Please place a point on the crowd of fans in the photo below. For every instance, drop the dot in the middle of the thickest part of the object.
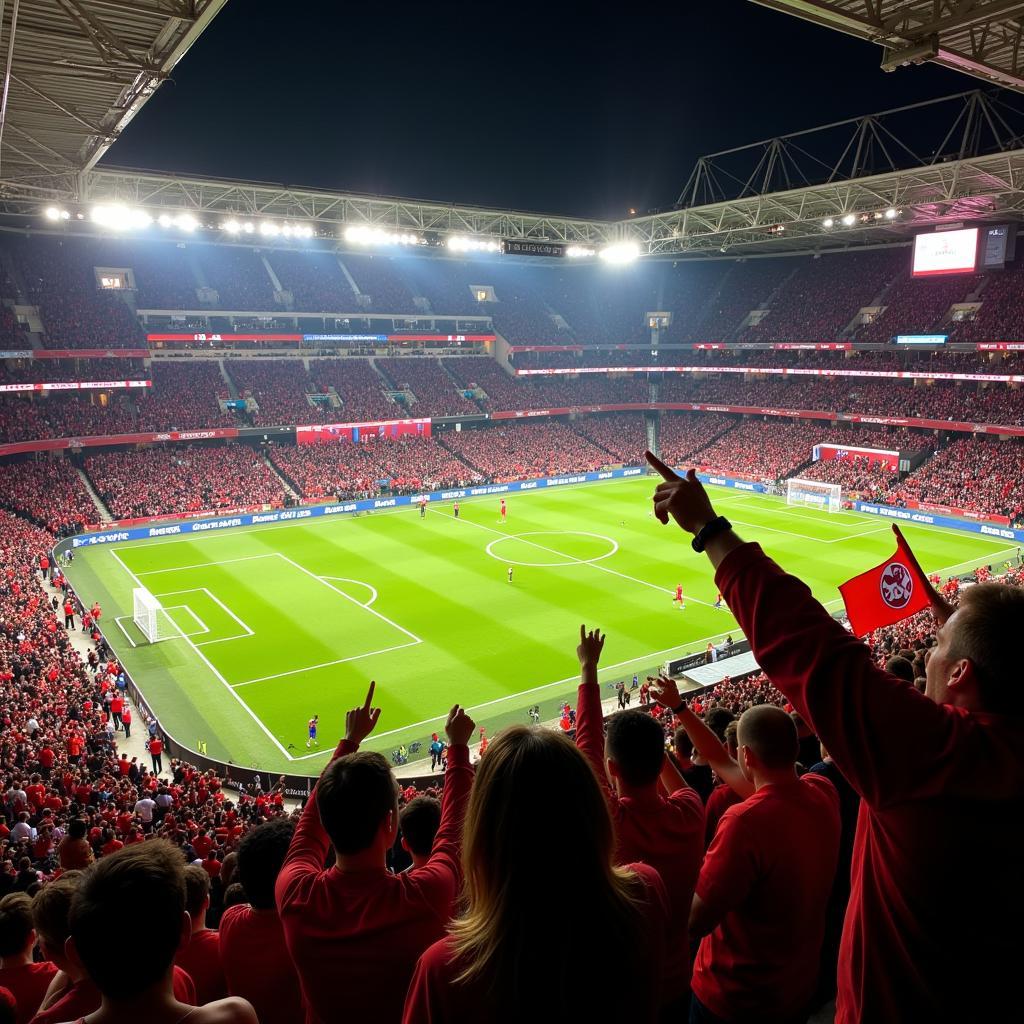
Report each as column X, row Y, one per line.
column 184, row 396
column 182, row 478
column 861, row 475
column 280, row 388
column 518, row 450
column 372, row 467
column 434, row 390
column 50, row 493
column 359, row 387
column 974, row 474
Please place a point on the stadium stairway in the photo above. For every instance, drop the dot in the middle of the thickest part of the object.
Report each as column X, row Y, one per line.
column 287, row 484
column 101, row 509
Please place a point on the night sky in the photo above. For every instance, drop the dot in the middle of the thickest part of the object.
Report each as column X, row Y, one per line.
column 555, row 107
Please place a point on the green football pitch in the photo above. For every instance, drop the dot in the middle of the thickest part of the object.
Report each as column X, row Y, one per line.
column 278, row 623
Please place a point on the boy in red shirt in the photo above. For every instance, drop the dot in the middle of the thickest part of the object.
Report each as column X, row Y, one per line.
column 201, row 957
column 27, row 981
column 355, row 931
column 252, row 947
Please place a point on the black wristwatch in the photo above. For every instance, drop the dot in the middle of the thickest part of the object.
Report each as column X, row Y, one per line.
column 708, row 531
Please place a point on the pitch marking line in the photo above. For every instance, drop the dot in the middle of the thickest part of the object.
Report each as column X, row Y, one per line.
column 571, row 560
column 213, row 597
column 345, row 579
column 373, row 611
column 123, row 630
column 202, row 565
column 326, row 664
column 217, row 675
column 168, row 608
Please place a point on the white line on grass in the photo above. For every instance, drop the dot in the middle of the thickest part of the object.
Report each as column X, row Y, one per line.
column 206, row 661
column 203, row 628
column 123, row 630
column 327, row 664
column 213, row 597
column 358, row 604
column 345, row 579
column 572, row 559
column 201, row 565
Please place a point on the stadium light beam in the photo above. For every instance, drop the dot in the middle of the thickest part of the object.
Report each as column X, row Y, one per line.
column 850, row 219
column 891, row 214
column 620, row 253
column 363, row 234
column 579, row 251
column 827, row 223
column 468, row 243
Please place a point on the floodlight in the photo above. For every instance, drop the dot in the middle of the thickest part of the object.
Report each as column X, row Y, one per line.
column 248, row 227
column 891, row 214
column 119, row 217
column 850, row 219
column 165, row 220
column 620, row 252
column 232, row 227
column 576, row 251
column 828, row 222
column 52, row 213
column 186, row 222
column 270, row 229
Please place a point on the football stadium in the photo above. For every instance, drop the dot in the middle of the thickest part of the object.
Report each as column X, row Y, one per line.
column 376, row 569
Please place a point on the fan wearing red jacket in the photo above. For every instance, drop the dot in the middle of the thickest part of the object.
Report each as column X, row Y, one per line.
column 355, row 931
column 937, row 873
column 662, row 827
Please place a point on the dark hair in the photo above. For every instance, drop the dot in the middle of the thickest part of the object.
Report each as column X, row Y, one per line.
column 771, row 734
column 636, row 743
column 901, row 668
column 987, row 629
column 50, row 908
column 234, row 895
column 197, row 889
column 717, row 719
column 149, row 879
column 681, row 743
column 15, row 923
column 260, row 856
column 419, row 821
column 354, row 795
column 77, row 829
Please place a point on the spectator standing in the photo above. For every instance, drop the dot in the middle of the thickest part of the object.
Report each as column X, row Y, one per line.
column 201, row 957
column 27, row 981
column 147, row 881
column 253, row 952
column 353, row 928
column 664, row 831
column 939, row 771
column 518, row 944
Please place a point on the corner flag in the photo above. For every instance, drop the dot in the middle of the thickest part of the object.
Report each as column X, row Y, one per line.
column 889, row 593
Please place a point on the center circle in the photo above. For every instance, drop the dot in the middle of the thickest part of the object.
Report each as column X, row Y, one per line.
column 547, row 551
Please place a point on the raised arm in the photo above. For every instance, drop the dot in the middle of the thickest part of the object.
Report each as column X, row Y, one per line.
column 889, row 740
column 438, row 880
column 705, row 742
column 307, row 852
column 589, row 716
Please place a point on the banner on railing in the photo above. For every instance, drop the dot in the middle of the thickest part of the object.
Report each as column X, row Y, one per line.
column 908, row 515
column 91, row 353
column 826, row 452
column 62, row 443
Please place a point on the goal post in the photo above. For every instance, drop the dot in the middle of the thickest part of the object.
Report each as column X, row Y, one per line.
column 151, row 617
column 815, row 493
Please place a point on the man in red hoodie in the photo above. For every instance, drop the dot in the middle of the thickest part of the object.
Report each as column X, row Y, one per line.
column 937, row 873
column 355, row 931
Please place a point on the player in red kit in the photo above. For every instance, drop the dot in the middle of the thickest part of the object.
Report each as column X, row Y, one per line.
column 504, row 510
column 679, row 597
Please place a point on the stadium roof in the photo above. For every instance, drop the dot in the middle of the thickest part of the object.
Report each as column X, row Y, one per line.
column 77, row 72
column 978, row 37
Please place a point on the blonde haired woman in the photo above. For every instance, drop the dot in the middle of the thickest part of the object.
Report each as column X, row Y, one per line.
column 549, row 920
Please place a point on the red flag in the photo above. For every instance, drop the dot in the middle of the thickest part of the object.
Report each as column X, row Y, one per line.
column 889, row 593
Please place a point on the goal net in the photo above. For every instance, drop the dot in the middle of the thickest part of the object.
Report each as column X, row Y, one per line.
column 815, row 493
column 151, row 617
